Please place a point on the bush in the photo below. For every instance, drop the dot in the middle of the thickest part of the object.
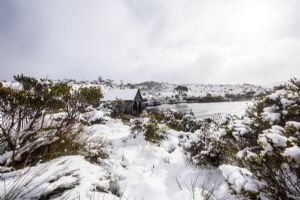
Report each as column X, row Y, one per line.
column 266, row 142
column 118, row 109
column 207, row 151
column 137, row 126
column 91, row 95
column 152, row 131
column 38, row 115
column 206, row 146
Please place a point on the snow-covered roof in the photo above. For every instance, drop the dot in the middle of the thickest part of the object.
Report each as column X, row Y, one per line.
column 123, row 94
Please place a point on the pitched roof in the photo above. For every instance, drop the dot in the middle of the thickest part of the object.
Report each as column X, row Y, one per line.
column 123, row 94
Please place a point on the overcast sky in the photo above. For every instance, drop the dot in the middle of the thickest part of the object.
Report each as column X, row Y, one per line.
column 181, row 41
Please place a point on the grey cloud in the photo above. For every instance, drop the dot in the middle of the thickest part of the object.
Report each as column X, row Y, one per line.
column 136, row 40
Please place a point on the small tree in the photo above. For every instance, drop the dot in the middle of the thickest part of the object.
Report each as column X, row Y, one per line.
column 181, row 91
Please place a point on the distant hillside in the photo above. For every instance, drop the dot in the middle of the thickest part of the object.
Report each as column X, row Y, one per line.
column 163, row 92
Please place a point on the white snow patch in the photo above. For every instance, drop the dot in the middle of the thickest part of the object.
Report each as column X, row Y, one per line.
column 70, row 171
column 294, row 124
column 240, row 178
column 270, row 114
column 293, row 152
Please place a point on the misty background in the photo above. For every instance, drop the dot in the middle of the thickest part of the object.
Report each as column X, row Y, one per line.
column 195, row 41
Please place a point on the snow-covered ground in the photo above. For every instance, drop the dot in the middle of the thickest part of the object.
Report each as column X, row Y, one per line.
column 147, row 171
column 136, row 169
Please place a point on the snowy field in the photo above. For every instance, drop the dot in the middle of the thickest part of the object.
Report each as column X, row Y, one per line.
column 146, row 171
column 136, row 169
column 208, row 110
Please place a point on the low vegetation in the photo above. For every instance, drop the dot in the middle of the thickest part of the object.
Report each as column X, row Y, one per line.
column 262, row 148
column 39, row 120
column 258, row 154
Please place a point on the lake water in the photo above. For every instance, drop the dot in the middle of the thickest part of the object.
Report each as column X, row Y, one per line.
column 208, row 110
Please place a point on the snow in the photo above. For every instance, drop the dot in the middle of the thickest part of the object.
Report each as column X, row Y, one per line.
column 147, row 171
column 293, row 124
column 5, row 157
column 123, row 94
column 240, row 178
column 95, row 115
column 13, row 84
column 286, row 102
column 135, row 169
column 293, row 152
column 69, row 171
column 272, row 137
column 277, row 94
column 245, row 153
column 162, row 92
column 270, row 114
column 239, row 129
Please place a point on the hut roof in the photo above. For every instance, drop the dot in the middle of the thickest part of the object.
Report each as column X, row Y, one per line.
column 123, row 94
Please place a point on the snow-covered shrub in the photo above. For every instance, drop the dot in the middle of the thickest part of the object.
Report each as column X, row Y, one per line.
column 189, row 123
column 241, row 181
column 99, row 116
column 152, row 131
column 206, row 150
column 137, row 126
column 267, row 140
column 174, row 124
column 94, row 151
column 177, row 120
column 36, row 115
column 67, row 143
column 117, row 109
column 205, row 146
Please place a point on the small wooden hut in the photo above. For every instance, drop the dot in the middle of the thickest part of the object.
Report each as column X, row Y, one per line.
column 132, row 98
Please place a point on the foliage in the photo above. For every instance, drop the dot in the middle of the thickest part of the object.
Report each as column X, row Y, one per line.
column 37, row 115
column 118, row 109
column 152, row 131
column 205, row 147
column 181, row 88
column 181, row 91
column 176, row 120
column 94, row 151
column 91, row 95
column 266, row 142
column 137, row 126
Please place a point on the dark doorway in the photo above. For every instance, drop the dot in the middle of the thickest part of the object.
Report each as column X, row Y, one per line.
column 135, row 107
column 140, row 107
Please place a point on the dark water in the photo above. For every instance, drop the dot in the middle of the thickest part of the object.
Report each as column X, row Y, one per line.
column 208, row 110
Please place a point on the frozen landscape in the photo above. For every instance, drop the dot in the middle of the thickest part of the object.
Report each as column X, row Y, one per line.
column 175, row 151
column 135, row 169
column 150, row 100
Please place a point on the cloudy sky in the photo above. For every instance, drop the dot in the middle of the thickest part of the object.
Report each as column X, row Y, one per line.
column 181, row 41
